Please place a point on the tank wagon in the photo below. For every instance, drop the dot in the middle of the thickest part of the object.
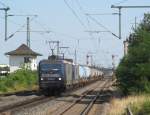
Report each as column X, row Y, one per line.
column 61, row 74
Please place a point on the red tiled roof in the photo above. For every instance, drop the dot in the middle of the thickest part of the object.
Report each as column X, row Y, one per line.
column 23, row 50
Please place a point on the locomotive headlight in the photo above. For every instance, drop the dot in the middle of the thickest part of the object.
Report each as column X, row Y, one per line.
column 41, row 78
column 59, row 78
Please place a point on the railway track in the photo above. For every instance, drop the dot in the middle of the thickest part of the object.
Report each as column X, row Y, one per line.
column 80, row 101
column 24, row 104
column 98, row 95
column 31, row 103
column 8, row 109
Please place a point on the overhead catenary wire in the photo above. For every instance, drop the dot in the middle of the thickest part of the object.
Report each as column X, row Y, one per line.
column 83, row 11
column 63, row 34
column 101, row 25
column 74, row 13
column 19, row 29
column 121, row 2
column 80, row 7
column 3, row 4
column 88, row 22
column 60, row 33
column 43, row 26
column 70, row 36
column 11, row 21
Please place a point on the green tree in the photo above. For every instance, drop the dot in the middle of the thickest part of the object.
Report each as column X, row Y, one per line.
column 133, row 72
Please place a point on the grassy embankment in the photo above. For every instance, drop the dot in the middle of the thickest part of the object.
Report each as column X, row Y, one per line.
column 133, row 73
column 18, row 81
column 140, row 105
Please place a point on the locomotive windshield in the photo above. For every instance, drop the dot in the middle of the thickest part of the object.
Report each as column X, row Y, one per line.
column 51, row 68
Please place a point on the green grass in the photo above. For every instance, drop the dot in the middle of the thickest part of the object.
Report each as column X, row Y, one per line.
column 139, row 104
column 20, row 80
column 142, row 109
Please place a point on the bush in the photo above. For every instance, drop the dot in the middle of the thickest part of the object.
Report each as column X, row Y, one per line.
column 21, row 79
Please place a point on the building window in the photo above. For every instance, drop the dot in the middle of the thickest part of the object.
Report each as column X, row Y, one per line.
column 27, row 60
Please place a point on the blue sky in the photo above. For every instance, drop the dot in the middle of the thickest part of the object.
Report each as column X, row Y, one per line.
column 55, row 16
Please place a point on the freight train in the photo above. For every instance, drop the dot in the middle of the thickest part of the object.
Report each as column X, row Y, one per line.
column 56, row 74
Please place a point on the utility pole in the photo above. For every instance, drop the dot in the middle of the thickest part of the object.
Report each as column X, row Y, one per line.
column 120, row 34
column 113, row 62
column 87, row 59
column 75, row 56
column 28, row 28
column 126, row 43
column 57, row 47
column 135, row 23
column 120, row 7
column 91, row 59
column 6, row 11
column 28, row 32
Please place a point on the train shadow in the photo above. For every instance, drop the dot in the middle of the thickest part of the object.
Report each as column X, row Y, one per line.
column 103, row 97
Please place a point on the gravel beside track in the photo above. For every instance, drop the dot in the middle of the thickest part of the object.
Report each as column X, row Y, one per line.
column 101, row 105
column 83, row 106
column 57, row 105
column 13, row 99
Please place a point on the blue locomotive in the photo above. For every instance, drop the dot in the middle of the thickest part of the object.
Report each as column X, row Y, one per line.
column 57, row 74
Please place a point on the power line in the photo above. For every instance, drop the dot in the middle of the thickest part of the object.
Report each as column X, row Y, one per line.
column 19, row 29
column 5, row 12
column 102, row 26
column 59, row 33
column 3, row 4
column 80, row 7
column 120, row 2
column 43, row 26
column 53, row 31
column 13, row 22
column 88, row 22
column 74, row 13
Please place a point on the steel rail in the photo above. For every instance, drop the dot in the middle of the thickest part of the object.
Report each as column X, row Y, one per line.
column 25, row 104
column 78, row 100
column 89, row 106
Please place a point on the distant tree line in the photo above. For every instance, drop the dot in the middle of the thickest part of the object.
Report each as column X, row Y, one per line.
column 133, row 72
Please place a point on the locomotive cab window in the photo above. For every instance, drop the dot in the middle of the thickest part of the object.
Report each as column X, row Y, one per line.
column 51, row 68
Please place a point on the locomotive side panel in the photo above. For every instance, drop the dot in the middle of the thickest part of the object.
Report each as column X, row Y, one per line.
column 75, row 70
column 68, row 74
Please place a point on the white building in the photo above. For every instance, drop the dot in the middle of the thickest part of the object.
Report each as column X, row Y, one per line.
column 23, row 56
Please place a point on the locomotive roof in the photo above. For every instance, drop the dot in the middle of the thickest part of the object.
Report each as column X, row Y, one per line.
column 55, row 61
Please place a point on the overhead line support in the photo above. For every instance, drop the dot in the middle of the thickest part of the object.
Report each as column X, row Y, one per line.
column 6, row 11
column 120, row 7
column 63, row 52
